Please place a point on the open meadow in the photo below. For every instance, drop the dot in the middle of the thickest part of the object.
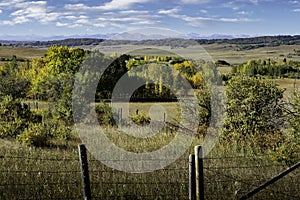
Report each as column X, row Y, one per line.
column 229, row 53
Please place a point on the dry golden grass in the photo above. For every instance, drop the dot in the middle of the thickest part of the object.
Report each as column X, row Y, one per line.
column 21, row 52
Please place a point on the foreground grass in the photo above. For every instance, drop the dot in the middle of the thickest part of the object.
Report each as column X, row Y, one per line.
column 54, row 173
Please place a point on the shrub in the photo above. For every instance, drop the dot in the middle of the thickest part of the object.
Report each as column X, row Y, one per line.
column 287, row 152
column 12, row 128
column 104, row 114
column 141, row 118
column 41, row 134
column 35, row 135
column 13, row 116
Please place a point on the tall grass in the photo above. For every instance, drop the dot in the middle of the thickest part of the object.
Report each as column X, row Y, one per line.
column 53, row 173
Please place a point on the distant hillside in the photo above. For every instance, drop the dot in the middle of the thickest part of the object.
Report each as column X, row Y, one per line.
column 256, row 42
column 243, row 43
column 70, row 42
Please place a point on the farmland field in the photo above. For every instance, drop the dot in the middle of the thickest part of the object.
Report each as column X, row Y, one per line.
column 230, row 53
column 22, row 52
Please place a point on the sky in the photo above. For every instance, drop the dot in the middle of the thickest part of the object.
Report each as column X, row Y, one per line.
column 204, row 17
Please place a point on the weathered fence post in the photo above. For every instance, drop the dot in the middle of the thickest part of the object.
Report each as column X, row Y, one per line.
column 84, row 172
column 192, row 181
column 120, row 117
column 199, row 173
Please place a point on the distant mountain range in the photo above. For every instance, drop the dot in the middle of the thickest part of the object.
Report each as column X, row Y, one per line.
column 243, row 42
column 121, row 36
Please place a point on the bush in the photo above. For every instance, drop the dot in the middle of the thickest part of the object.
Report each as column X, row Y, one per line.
column 35, row 135
column 41, row 134
column 141, row 118
column 287, row 152
column 104, row 114
column 13, row 116
column 12, row 128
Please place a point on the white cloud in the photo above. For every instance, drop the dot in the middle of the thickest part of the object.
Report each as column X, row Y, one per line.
column 296, row 10
column 82, row 21
column 121, row 4
column 235, row 20
column 112, row 5
column 243, row 12
column 169, row 12
column 70, row 17
column 121, row 19
column 59, row 24
column 77, row 7
column 75, row 25
column 194, row 1
column 10, row 3
column 0, row 11
column 131, row 12
column 6, row 22
column 145, row 22
column 25, row 11
column 196, row 21
column 20, row 20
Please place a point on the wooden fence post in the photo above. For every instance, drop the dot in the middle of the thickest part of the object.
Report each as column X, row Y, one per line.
column 199, row 173
column 192, row 181
column 120, row 117
column 84, row 172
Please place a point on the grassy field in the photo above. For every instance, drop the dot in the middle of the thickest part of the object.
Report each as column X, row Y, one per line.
column 230, row 53
column 54, row 173
column 215, row 52
column 288, row 84
column 21, row 52
column 234, row 56
column 171, row 110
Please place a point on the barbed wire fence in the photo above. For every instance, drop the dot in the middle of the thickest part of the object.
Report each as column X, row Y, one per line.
column 27, row 177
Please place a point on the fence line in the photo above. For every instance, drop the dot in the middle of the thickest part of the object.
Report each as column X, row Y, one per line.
column 59, row 178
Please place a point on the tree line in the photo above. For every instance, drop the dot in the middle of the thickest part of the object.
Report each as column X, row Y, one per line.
column 268, row 67
column 244, row 43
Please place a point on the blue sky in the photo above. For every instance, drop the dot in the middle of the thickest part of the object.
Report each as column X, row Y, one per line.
column 204, row 17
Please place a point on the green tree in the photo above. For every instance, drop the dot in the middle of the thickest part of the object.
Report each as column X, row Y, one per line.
column 14, row 115
column 55, row 78
column 253, row 108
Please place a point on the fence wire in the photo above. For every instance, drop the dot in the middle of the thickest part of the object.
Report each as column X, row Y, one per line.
column 32, row 177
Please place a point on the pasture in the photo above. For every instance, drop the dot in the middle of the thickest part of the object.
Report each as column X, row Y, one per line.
column 22, row 52
column 230, row 53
